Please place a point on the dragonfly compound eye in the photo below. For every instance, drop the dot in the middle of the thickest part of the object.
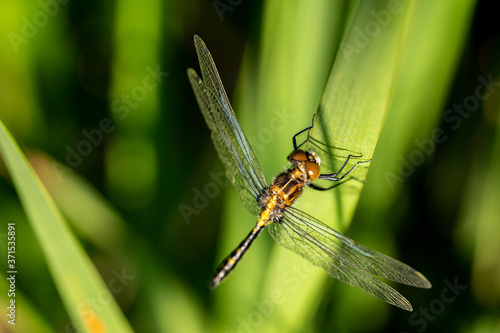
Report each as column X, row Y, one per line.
column 297, row 155
column 312, row 170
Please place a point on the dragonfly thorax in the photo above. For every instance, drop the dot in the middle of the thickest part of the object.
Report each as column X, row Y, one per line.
column 307, row 162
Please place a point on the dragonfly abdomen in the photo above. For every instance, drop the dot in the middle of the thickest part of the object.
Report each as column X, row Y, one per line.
column 233, row 258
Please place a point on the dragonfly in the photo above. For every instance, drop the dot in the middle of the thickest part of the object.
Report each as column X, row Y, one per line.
column 338, row 255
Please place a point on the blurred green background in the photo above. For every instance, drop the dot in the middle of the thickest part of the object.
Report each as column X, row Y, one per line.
column 97, row 96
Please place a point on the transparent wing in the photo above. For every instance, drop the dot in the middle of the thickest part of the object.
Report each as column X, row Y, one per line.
column 233, row 148
column 343, row 258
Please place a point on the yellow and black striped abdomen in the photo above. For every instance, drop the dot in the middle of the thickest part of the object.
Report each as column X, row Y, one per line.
column 232, row 259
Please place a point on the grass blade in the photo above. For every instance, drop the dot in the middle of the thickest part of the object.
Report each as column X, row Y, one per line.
column 75, row 277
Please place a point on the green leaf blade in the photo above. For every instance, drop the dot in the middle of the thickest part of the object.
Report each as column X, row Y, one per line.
column 75, row 277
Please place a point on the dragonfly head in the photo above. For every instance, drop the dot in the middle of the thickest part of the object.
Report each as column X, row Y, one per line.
column 308, row 160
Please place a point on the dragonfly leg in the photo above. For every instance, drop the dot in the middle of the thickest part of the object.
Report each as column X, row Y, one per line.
column 333, row 176
column 319, row 188
column 295, row 146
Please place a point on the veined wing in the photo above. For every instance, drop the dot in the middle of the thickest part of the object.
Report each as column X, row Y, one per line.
column 233, row 148
column 343, row 258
